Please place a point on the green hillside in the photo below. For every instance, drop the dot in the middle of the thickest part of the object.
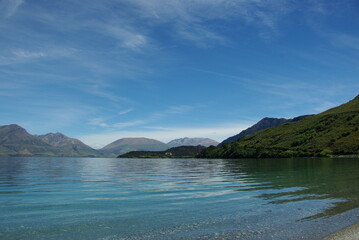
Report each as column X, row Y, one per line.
column 333, row 132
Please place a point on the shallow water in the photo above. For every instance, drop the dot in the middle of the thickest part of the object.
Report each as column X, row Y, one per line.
column 104, row 198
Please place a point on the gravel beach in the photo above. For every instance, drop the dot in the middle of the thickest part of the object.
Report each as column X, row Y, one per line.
column 349, row 233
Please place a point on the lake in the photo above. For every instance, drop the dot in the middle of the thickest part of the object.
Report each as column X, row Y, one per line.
column 106, row 198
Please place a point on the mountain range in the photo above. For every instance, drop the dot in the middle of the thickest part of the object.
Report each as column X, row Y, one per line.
column 16, row 141
column 332, row 132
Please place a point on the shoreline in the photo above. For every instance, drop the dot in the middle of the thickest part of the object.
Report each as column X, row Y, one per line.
column 348, row 233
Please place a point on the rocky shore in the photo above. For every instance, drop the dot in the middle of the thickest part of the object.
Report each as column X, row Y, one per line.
column 349, row 233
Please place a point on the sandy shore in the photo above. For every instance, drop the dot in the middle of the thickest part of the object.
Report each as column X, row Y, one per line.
column 349, row 233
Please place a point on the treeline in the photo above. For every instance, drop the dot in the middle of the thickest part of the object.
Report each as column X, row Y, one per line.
column 175, row 152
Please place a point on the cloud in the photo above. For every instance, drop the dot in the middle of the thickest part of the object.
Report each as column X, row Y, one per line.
column 103, row 123
column 200, row 10
column 192, row 20
column 170, row 111
column 152, row 117
column 9, row 7
column 101, row 88
column 198, row 22
column 317, row 16
column 100, row 122
column 16, row 56
column 219, row 133
column 124, row 112
column 178, row 109
column 129, row 39
column 21, row 53
column 200, row 35
column 128, row 124
column 344, row 40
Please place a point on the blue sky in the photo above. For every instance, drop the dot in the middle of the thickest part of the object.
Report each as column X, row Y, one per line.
column 104, row 70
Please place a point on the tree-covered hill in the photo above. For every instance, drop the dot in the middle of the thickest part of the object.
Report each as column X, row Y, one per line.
column 175, row 152
column 333, row 132
column 262, row 124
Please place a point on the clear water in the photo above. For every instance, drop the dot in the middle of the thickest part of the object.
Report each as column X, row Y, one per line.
column 84, row 198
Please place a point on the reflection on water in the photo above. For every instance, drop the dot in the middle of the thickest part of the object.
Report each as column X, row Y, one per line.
column 317, row 179
column 66, row 198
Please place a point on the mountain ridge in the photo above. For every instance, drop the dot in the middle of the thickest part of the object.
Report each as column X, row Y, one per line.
column 264, row 123
column 16, row 141
column 70, row 145
column 332, row 132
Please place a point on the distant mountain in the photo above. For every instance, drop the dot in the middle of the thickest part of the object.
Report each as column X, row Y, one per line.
column 262, row 124
column 206, row 142
column 68, row 146
column 333, row 132
column 175, row 152
column 15, row 140
column 125, row 145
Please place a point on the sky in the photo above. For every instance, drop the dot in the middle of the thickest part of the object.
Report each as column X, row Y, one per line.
column 165, row 69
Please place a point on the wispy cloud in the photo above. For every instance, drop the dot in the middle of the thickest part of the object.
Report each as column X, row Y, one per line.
column 318, row 12
column 178, row 109
column 200, row 36
column 20, row 53
column 128, row 124
column 129, row 39
column 101, row 88
column 104, row 123
column 151, row 118
column 293, row 89
column 124, row 112
column 170, row 111
column 344, row 40
column 9, row 7
column 100, row 122
column 190, row 19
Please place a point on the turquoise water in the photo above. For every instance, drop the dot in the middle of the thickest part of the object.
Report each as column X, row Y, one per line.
column 94, row 198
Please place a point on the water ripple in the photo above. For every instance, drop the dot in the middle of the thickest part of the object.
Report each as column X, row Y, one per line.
column 67, row 198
